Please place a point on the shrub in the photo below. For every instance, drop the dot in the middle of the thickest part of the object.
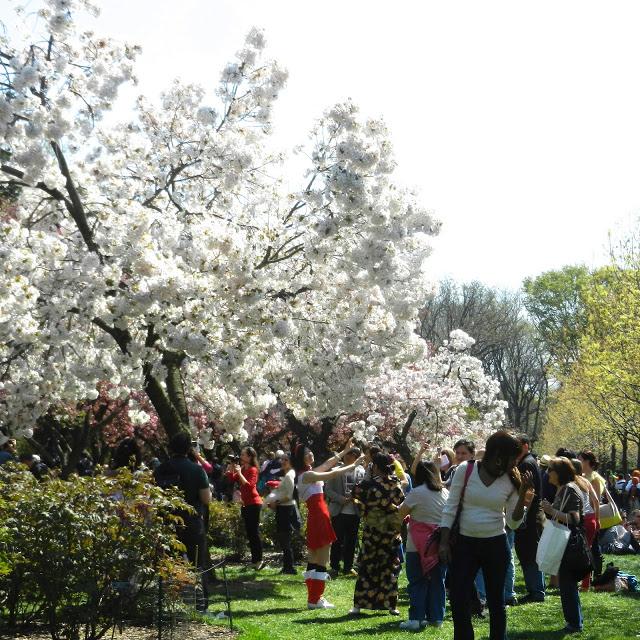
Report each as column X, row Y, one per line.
column 226, row 529
column 77, row 553
column 269, row 532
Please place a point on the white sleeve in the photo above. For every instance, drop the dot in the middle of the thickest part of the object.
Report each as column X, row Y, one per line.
column 451, row 507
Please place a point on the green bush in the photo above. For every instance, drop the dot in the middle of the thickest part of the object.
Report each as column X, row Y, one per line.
column 226, row 529
column 269, row 533
column 77, row 553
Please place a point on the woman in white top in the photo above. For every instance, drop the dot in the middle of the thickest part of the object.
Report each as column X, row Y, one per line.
column 493, row 487
column 424, row 503
column 320, row 533
column 287, row 516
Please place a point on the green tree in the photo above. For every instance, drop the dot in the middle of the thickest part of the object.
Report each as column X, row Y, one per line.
column 555, row 302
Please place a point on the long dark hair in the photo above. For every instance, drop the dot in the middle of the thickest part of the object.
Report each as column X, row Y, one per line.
column 253, row 456
column 384, row 463
column 299, row 453
column 502, row 445
column 427, row 473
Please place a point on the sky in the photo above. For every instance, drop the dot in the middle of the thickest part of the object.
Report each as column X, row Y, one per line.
column 517, row 122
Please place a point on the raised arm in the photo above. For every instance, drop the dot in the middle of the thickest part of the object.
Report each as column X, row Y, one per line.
column 333, row 461
column 418, row 457
column 515, row 510
column 314, row 476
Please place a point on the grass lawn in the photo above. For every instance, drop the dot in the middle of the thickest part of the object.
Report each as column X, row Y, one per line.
column 268, row 606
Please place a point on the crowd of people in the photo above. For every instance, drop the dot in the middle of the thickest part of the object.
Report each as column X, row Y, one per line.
column 456, row 520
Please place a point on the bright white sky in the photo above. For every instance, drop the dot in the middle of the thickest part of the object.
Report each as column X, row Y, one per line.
column 519, row 122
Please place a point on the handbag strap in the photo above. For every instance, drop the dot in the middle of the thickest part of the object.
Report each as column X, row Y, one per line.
column 467, row 475
column 610, row 501
column 565, row 496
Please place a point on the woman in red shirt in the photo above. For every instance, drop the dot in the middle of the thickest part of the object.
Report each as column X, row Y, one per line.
column 246, row 475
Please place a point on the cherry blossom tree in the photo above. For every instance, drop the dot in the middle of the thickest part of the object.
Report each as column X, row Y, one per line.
column 164, row 252
column 443, row 396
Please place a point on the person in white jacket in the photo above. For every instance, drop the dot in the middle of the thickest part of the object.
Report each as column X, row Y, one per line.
column 287, row 516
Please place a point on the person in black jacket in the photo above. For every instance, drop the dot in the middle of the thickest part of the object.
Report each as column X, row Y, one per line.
column 192, row 480
column 528, row 534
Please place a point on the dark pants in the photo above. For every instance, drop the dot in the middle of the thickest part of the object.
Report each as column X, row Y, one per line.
column 286, row 521
column 344, row 548
column 251, row 517
column 492, row 555
column 596, row 552
column 193, row 536
column 526, row 546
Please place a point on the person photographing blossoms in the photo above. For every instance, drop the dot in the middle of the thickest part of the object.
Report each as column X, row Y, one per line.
column 320, row 533
column 486, row 495
column 246, row 475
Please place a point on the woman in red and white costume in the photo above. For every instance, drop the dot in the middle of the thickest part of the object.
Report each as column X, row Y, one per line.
column 320, row 533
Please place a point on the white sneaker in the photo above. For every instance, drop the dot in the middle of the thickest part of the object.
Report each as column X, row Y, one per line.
column 410, row 625
column 321, row 604
column 354, row 611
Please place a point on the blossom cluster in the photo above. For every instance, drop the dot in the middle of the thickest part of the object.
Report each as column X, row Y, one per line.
column 173, row 233
column 449, row 391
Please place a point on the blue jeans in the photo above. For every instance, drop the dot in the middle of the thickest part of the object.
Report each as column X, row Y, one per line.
column 570, row 598
column 470, row 554
column 510, row 580
column 426, row 591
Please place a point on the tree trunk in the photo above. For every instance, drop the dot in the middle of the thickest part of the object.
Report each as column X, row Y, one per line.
column 175, row 384
column 625, row 447
column 638, row 455
column 168, row 414
column 80, row 437
column 614, row 460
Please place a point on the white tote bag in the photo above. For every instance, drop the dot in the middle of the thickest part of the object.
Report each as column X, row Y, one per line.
column 552, row 545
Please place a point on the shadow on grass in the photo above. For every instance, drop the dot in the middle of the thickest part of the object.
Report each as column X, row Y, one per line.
column 543, row 634
column 252, row 614
column 338, row 619
column 391, row 625
column 249, row 590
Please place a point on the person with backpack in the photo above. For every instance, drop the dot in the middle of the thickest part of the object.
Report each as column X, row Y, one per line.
column 179, row 471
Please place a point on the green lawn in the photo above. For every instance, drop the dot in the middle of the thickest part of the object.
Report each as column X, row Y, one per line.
column 267, row 606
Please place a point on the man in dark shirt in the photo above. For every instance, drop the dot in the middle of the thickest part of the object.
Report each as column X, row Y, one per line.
column 529, row 532
column 192, row 480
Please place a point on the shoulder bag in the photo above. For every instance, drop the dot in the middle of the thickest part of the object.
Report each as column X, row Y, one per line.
column 455, row 527
column 553, row 542
column 577, row 558
column 609, row 513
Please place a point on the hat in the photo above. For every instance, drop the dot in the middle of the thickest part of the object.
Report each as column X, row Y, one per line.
column 545, row 460
column 279, row 453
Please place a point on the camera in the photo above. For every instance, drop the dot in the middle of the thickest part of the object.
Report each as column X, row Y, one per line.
column 233, row 459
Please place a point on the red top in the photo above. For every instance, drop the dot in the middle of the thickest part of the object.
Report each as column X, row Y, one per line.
column 248, row 491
